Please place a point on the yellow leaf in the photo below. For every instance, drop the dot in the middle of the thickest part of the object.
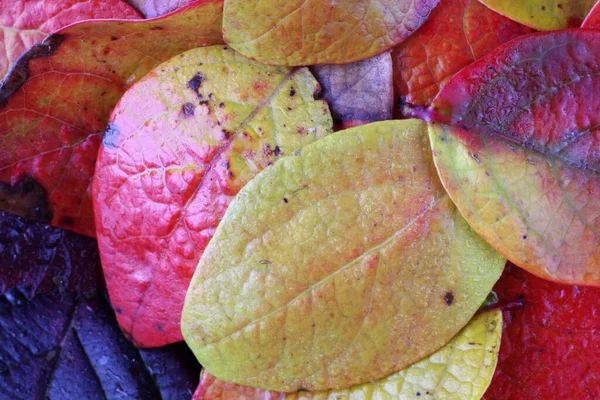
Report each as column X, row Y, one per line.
column 337, row 266
column 305, row 32
column 543, row 15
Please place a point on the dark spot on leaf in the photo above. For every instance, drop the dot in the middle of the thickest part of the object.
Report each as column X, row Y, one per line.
column 267, row 151
column 418, row 393
column 264, row 262
column 277, row 151
column 292, row 92
column 196, row 82
column 157, row 28
column 524, row 237
column 221, row 105
column 475, row 157
column 111, row 136
column 285, row 199
column 160, row 327
column 227, row 135
column 559, row 6
column 113, row 38
column 449, row 298
column 543, row 8
column 66, row 221
column 188, row 109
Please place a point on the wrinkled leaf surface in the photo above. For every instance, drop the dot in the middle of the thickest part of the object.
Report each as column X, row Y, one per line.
column 550, row 347
column 457, row 33
column 337, row 266
column 305, row 32
column 55, row 105
column 167, row 172
column 521, row 157
column 24, row 23
column 460, row 370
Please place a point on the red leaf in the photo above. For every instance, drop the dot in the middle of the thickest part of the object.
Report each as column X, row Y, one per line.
column 457, row 33
column 550, row 348
column 56, row 102
column 592, row 21
column 24, row 23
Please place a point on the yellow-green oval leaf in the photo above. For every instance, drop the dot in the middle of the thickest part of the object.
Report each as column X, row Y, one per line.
column 543, row 15
column 305, row 32
column 461, row 370
column 337, row 266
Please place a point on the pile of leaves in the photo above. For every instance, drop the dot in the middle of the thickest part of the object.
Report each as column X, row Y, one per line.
column 325, row 200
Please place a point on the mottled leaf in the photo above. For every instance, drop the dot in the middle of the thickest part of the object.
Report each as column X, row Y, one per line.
column 39, row 259
column 166, row 173
column 55, row 103
column 550, row 348
column 543, row 15
column 460, row 370
column 358, row 93
column 457, row 33
column 24, row 23
column 337, row 266
column 517, row 149
column 592, row 21
column 68, row 348
column 305, row 32
column 156, row 8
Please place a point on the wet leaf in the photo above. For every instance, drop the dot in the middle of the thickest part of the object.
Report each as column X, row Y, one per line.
column 24, row 23
column 156, row 8
column 543, row 15
column 55, row 104
column 592, row 21
column 300, row 32
column 167, row 172
column 460, row 370
column 337, row 266
column 457, row 33
column 520, row 157
column 71, row 348
column 550, row 348
column 39, row 259
column 360, row 92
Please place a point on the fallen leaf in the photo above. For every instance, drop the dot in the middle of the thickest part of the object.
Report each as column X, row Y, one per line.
column 518, row 151
column 56, row 102
column 24, row 23
column 460, row 370
column 550, row 348
column 360, row 92
column 337, row 266
column 543, row 15
column 457, row 33
column 39, row 259
column 592, row 21
column 71, row 348
column 157, row 8
column 306, row 32
column 167, row 172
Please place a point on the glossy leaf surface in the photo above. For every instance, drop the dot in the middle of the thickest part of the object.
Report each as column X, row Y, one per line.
column 358, row 93
column 521, row 157
column 55, row 105
column 156, row 8
column 592, row 21
column 543, row 15
column 457, row 33
column 460, row 370
column 550, row 348
column 305, row 32
column 337, row 266
column 24, row 23
column 166, row 173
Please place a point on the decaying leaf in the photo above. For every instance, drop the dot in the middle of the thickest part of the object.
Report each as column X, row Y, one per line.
column 543, row 15
column 592, row 21
column 24, row 23
column 156, row 8
column 39, row 259
column 337, row 266
column 521, row 155
column 550, row 348
column 166, row 173
column 457, row 33
column 360, row 92
column 56, row 347
column 55, row 103
column 306, row 32
column 461, row 370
